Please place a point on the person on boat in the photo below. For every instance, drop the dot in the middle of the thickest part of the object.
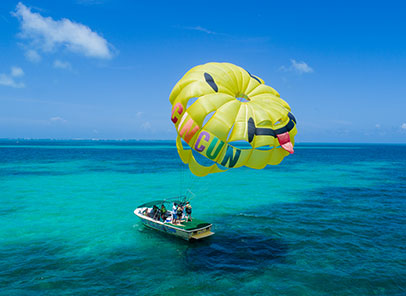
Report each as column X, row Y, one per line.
column 145, row 212
column 175, row 206
column 188, row 210
column 179, row 213
column 152, row 212
column 164, row 213
column 157, row 213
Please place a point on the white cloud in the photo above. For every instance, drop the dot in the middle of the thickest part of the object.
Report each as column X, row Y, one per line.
column 201, row 29
column 139, row 114
column 32, row 56
column 403, row 126
column 298, row 67
column 47, row 34
column 62, row 65
column 17, row 72
column 10, row 79
column 57, row 119
column 146, row 125
column 301, row 67
column 377, row 125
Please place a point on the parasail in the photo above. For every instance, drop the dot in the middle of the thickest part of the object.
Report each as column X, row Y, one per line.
column 230, row 106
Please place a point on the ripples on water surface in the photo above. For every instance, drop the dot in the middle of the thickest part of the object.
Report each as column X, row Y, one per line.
column 330, row 220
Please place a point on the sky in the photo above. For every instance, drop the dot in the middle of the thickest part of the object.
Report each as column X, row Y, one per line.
column 104, row 69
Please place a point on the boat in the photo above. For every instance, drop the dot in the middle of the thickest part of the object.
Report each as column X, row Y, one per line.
column 187, row 230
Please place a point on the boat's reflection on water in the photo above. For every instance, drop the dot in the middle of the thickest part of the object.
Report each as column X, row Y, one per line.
column 234, row 252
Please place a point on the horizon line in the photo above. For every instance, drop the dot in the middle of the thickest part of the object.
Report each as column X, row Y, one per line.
column 171, row 140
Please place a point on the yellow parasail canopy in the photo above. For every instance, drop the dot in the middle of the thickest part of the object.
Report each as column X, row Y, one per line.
column 230, row 106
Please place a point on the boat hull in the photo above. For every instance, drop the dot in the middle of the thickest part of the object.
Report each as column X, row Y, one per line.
column 163, row 228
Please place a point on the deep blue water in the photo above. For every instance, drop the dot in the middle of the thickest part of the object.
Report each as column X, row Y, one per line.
column 329, row 220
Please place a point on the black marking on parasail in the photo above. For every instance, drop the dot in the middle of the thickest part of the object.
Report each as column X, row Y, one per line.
column 256, row 78
column 210, row 81
column 260, row 131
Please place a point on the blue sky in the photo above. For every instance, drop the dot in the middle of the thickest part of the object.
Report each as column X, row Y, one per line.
column 105, row 69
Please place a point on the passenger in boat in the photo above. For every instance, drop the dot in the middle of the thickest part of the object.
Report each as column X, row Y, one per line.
column 158, row 214
column 155, row 213
column 164, row 213
column 179, row 213
column 175, row 206
column 145, row 212
column 188, row 211
column 152, row 212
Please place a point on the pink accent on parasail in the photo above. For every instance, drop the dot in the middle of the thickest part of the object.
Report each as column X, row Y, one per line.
column 284, row 141
column 178, row 108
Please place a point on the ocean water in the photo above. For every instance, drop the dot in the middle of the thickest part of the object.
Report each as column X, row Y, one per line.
column 329, row 220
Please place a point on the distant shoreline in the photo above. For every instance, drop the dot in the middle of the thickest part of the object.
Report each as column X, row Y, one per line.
column 139, row 141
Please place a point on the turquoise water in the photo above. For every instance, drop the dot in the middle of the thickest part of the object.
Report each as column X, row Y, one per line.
column 330, row 220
